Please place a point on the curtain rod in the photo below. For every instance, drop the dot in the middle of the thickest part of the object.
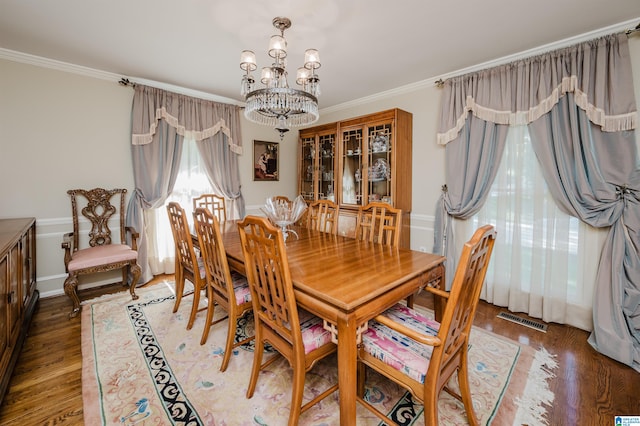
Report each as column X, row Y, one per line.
column 125, row 82
column 440, row 82
column 634, row 30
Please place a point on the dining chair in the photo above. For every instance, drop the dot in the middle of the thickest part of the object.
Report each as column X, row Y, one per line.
column 282, row 199
column 296, row 334
column 322, row 215
column 421, row 354
column 227, row 289
column 104, row 251
column 214, row 203
column 189, row 266
column 380, row 223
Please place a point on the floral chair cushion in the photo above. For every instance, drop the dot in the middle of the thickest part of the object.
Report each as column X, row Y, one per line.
column 314, row 334
column 201, row 268
column 396, row 349
column 241, row 288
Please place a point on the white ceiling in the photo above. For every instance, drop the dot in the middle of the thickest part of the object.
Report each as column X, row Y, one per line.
column 366, row 46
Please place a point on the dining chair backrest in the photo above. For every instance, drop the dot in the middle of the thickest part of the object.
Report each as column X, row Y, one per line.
column 464, row 296
column 322, row 215
column 212, row 250
column 187, row 265
column 380, row 223
column 269, row 277
column 185, row 253
column 282, row 199
column 224, row 288
column 214, row 203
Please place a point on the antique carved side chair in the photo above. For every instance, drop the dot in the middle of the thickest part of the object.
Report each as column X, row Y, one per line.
column 103, row 253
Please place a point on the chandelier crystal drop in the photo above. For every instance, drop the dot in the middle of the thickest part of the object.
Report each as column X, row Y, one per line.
column 277, row 105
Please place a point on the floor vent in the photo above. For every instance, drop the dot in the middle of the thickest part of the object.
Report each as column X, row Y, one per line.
column 523, row 321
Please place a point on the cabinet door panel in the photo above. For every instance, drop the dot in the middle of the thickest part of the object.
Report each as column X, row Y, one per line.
column 326, row 172
column 380, row 161
column 27, row 260
column 352, row 167
column 4, row 313
column 14, row 295
column 317, row 165
column 307, row 166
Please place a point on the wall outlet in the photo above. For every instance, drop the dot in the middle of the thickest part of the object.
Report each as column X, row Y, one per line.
column 423, row 249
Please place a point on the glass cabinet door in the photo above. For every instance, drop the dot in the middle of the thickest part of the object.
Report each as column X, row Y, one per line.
column 326, row 152
column 317, row 181
column 307, row 170
column 352, row 164
column 379, row 163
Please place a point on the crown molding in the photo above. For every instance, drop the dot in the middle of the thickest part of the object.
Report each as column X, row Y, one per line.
column 39, row 61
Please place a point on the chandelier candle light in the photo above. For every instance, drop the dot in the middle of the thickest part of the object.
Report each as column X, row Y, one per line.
column 277, row 104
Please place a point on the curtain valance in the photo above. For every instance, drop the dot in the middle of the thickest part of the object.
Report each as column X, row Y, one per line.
column 598, row 72
column 192, row 118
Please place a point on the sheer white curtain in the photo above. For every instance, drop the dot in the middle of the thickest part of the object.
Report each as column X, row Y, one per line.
column 544, row 261
column 191, row 182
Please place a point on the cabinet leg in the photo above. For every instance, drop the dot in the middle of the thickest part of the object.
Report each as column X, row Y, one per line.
column 71, row 290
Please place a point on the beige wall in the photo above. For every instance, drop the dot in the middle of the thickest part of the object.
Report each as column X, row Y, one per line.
column 62, row 130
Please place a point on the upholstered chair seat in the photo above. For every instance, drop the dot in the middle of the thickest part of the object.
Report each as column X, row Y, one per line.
column 95, row 256
column 241, row 288
column 314, row 335
column 396, row 349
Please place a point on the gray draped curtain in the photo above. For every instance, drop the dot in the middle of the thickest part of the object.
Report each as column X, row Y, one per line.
column 160, row 122
column 580, row 107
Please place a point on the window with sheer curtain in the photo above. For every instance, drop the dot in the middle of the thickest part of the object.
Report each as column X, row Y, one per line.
column 544, row 259
column 191, row 182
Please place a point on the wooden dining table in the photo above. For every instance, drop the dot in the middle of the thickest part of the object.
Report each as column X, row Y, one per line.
column 346, row 282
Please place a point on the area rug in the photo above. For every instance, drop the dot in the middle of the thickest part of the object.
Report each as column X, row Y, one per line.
column 141, row 365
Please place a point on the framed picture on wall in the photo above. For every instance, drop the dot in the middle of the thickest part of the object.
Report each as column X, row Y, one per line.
column 265, row 160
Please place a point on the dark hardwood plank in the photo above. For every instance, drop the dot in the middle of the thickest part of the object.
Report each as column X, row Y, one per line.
column 46, row 387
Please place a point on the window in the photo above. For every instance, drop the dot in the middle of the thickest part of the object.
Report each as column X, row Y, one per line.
column 545, row 261
column 191, row 181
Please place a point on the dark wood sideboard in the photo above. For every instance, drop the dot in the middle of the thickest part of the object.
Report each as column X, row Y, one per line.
column 18, row 293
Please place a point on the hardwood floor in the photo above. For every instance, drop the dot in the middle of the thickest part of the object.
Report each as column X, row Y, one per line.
column 46, row 388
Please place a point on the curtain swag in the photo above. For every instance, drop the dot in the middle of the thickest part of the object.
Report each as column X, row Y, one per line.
column 192, row 118
column 596, row 72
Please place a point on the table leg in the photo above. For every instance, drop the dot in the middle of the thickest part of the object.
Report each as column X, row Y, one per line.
column 437, row 280
column 347, row 369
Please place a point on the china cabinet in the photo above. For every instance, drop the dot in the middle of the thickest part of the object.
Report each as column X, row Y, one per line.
column 358, row 160
column 18, row 290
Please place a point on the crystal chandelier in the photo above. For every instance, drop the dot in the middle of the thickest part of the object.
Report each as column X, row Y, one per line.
column 277, row 105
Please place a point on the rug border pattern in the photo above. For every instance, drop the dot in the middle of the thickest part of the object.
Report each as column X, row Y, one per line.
column 176, row 404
